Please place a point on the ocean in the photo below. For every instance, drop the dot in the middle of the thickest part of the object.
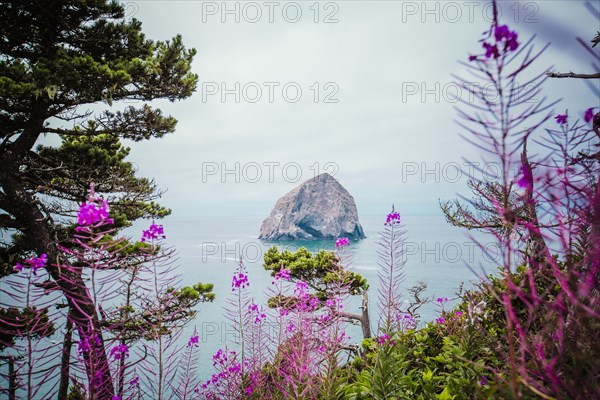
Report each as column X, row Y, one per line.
column 209, row 250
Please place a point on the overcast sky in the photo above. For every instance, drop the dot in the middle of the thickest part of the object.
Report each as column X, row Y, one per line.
column 362, row 115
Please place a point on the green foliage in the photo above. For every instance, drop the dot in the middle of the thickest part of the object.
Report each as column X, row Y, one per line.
column 99, row 159
column 172, row 309
column 32, row 320
column 439, row 361
column 77, row 392
column 58, row 59
column 425, row 364
column 321, row 271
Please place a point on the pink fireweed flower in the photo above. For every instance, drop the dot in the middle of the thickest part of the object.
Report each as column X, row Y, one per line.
column 385, row 339
column 313, row 303
column 334, row 302
column 561, row 119
column 219, row 358
column 255, row 312
column 589, row 115
column 290, row 327
column 239, row 281
column 502, row 33
column 442, row 300
column 83, row 346
column 193, row 341
column 526, row 180
column 91, row 213
column 392, row 218
column 440, row 320
column 119, row 352
column 283, row 274
column 154, row 232
column 341, row 242
column 491, row 50
column 324, row 318
column 406, row 321
column 301, row 289
column 34, row 263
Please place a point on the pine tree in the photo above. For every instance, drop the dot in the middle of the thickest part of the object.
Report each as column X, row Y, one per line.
column 58, row 59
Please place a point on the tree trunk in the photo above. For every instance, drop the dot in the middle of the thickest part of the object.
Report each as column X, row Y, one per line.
column 65, row 365
column 363, row 318
column 365, row 322
column 83, row 314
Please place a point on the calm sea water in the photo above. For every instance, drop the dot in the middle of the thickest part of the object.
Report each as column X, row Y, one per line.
column 209, row 249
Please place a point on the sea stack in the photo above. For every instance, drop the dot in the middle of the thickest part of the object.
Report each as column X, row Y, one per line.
column 319, row 208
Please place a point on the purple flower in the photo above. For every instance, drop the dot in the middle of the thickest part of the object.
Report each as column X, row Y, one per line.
column 589, row 115
column 392, row 218
column 483, row 381
column 472, row 58
column 283, row 274
column 341, row 242
column 153, row 232
column 34, row 263
column 301, row 289
column 193, row 341
column 259, row 316
column 502, row 33
column 119, row 352
column 381, row 340
column 561, row 119
column 526, row 180
column 440, row 320
column 334, row 302
column 442, row 300
column 511, row 42
column 90, row 213
column 83, row 346
column 491, row 50
column 115, row 398
column 406, row 321
column 220, row 357
column 135, row 381
column 458, row 313
column 240, row 280
column 314, row 302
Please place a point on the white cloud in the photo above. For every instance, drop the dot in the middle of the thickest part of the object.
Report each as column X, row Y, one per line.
column 370, row 55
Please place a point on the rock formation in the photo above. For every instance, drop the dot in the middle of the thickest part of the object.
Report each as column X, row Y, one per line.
column 319, row 208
